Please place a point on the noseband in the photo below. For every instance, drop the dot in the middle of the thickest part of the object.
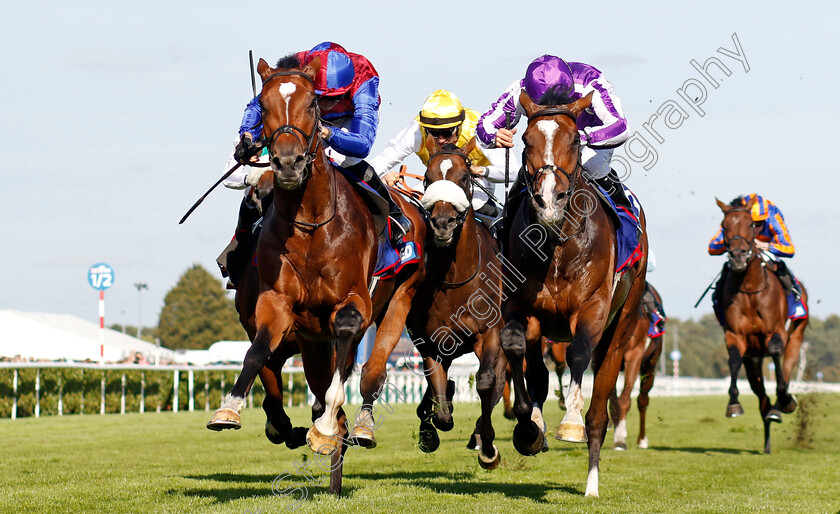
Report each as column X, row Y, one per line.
column 308, row 141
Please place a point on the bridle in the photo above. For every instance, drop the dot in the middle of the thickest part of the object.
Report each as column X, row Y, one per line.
column 461, row 217
column 309, row 141
column 572, row 177
column 751, row 254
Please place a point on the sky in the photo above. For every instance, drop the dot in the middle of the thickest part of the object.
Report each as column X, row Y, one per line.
column 117, row 117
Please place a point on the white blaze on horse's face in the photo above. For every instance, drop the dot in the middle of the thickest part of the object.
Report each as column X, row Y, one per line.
column 286, row 91
column 548, row 129
column 445, row 166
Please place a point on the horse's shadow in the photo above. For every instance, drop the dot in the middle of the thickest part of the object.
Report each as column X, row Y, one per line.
column 439, row 482
column 708, row 451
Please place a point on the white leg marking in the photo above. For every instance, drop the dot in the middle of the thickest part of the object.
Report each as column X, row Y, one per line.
column 334, row 398
column 621, row 432
column 592, row 483
column 643, row 443
column 537, row 417
column 574, row 404
column 233, row 402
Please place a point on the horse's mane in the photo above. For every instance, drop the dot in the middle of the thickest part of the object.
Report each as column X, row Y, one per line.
column 556, row 95
column 738, row 201
column 288, row 62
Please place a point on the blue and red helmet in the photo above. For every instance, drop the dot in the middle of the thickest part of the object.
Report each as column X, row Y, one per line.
column 337, row 71
column 547, row 72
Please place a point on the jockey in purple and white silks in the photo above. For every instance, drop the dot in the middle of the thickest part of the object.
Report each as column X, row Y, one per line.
column 602, row 126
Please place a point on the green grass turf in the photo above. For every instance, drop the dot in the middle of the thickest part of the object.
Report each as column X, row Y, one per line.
column 699, row 461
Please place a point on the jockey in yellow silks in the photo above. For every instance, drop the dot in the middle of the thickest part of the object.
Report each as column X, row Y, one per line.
column 445, row 119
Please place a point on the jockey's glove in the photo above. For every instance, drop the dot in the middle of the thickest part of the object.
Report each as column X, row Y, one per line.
column 245, row 149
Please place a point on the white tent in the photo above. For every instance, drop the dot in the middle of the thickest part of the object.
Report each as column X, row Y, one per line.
column 40, row 336
column 226, row 352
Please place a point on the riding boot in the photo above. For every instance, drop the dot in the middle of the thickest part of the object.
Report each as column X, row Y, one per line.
column 612, row 185
column 400, row 224
column 786, row 278
column 234, row 256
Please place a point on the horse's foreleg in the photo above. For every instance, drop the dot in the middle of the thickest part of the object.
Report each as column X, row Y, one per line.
column 752, row 366
column 632, row 363
column 647, row 373
column 578, row 355
column 491, row 371
column 558, row 354
column 736, row 346
column 775, row 347
column 278, row 426
column 429, row 441
column 274, row 321
column 528, row 438
column 373, row 376
column 347, row 323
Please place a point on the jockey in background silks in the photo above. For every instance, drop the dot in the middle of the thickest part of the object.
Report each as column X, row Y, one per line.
column 772, row 239
column 447, row 121
column 347, row 86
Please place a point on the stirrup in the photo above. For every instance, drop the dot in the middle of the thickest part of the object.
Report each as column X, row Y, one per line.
column 400, row 225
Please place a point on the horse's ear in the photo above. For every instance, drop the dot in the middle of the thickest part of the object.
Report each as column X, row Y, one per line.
column 725, row 208
column 527, row 104
column 312, row 68
column 468, row 148
column 263, row 69
column 580, row 104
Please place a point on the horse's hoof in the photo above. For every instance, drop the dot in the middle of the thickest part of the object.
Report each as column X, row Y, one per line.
column 429, row 440
column 571, row 432
column 474, row 443
column 320, row 443
column 733, row 410
column 363, row 436
column 562, row 405
column 643, row 443
column 296, row 438
column 224, row 419
column 274, row 435
column 789, row 406
column 528, row 439
column 490, row 462
column 620, row 446
column 509, row 415
column 774, row 415
column 442, row 418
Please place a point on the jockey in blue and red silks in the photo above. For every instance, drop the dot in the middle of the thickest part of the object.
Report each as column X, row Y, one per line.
column 602, row 127
column 772, row 239
column 347, row 86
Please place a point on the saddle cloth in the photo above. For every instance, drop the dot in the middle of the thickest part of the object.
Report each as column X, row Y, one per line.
column 628, row 231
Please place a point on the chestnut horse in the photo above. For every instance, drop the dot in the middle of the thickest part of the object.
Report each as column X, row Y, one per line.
column 564, row 243
column 310, row 296
column 457, row 307
column 754, row 316
column 640, row 359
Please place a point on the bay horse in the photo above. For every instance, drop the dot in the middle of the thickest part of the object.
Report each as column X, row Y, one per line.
column 640, row 359
column 564, row 243
column 457, row 307
column 754, row 311
column 310, row 296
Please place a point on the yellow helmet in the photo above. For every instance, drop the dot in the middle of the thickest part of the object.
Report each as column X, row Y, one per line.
column 441, row 110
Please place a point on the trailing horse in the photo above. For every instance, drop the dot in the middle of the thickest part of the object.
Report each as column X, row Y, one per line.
column 563, row 243
column 457, row 308
column 305, row 294
column 640, row 359
column 753, row 310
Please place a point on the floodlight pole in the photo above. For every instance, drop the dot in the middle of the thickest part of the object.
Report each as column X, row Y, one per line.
column 140, row 286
